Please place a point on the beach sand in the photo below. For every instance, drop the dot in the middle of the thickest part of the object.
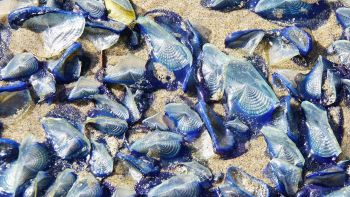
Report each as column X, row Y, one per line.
column 217, row 25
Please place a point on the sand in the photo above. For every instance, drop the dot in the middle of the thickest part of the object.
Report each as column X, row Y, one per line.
column 217, row 26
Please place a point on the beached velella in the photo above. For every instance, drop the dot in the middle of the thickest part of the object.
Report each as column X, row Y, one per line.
column 131, row 103
column 181, row 185
column 310, row 87
column 101, row 162
column 281, row 50
column 94, row 9
column 187, row 121
column 120, row 10
column 146, row 166
column 343, row 16
column 285, row 176
column 21, row 65
column 248, row 94
column 108, row 125
column 223, row 139
column 157, row 121
column 44, row 84
column 128, row 71
column 32, row 158
column 292, row 11
column 59, row 29
column 67, row 68
column 285, row 119
column 67, row 141
column 223, row 4
column 164, row 46
column 247, row 40
column 84, row 88
column 341, row 50
column 38, row 185
column 102, row 101
column 103, row 34
column 300, row 38
column 159, row 144
column 239, row 183
column 86, row 186
column 320, row 137
column 14, row 102
column 62, row 184
column 333, row 176
column 214, row 63
column 8, row 150
column 281, row 147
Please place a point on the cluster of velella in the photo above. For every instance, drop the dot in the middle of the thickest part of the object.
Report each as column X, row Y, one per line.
column 302, row 129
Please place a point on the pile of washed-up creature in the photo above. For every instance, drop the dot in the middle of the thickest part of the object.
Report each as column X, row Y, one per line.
column 302, row 129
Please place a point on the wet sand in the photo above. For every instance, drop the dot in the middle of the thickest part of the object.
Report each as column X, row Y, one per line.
column 217, row 25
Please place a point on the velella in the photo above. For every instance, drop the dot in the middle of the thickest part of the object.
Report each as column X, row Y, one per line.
column 187, row 121
column 291, row 11
column 223, row 140
column 67, row 141
column 44, row 84
column 7, row 6
column 333, row 176
column 146, row 166
column 32, row 158
column 285, row 176
column 67, row 68
column 281, row 147
column 159, row 144
column 129, row 102
column 239, row 183
column 300, row 38
column 58, row 29
column 124, row 192
column 128, row 71
column 240, row 129
column 101, row 162
column 102, row 101
column 284, row 79
column 223, row 4
column 343, row 16
column 108, row 125
column 5, row 39
column 247, row 40
column 341, row 50
column 94, row 9
column 184, row 185
column 14, row 86
column 214, row 63
column 163, row 45
column 15, row 102
column 310, row 87
column 331, row 87
column 281, row 50
column 87, row 186
column 121, row 10
column 84, row 88
column 203, row 173
column 62, row 184
column 9, row 150
column 285, row 118
column 248, row 94
column 322, row 143
column 21, row 65
column 38, row 185
column 157, row 121
column 345, row 191
column 103, row 34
